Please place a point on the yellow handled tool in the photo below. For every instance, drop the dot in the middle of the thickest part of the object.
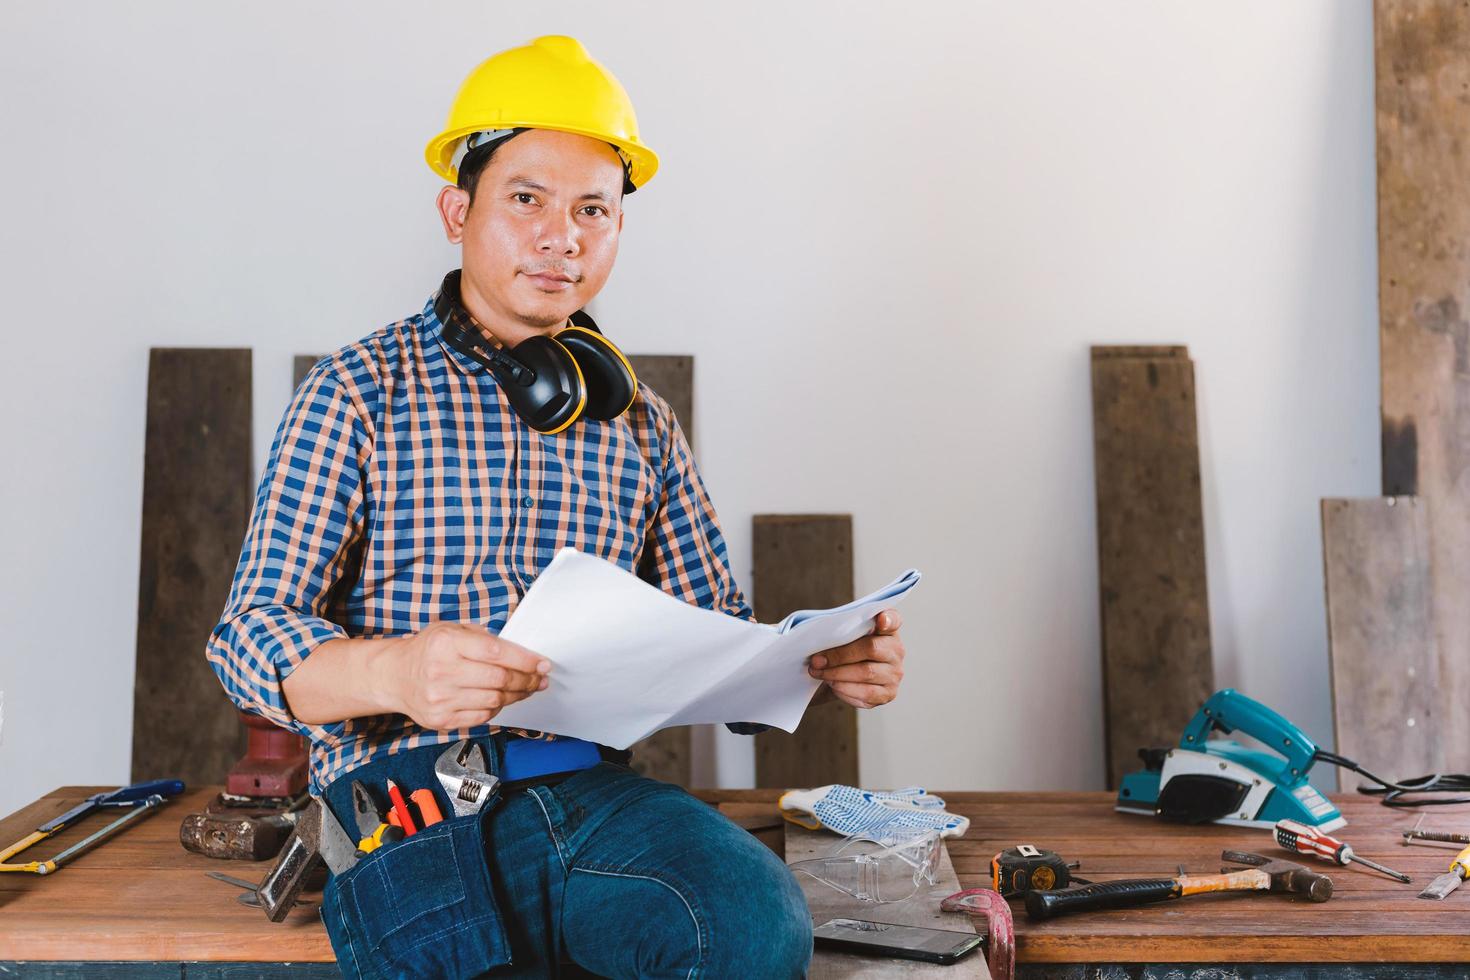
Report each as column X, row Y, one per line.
column 1441, row 887
column 374, row 831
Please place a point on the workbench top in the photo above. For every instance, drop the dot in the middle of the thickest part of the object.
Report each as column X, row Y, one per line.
column 142, row 897
column 1371, row 918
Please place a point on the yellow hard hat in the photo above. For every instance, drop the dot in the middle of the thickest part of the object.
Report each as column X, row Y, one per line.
column 551, row 83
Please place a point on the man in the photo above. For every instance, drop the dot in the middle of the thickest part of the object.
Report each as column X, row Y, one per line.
column 420, row 480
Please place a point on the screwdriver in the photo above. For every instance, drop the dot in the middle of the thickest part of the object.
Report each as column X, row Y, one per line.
column 1302, row 839
column 429, row 813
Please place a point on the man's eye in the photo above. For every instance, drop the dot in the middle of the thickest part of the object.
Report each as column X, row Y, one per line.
column 593, row 211
column 524, row 198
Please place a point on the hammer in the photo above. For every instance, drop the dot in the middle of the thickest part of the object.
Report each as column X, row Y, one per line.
column 1265, row 874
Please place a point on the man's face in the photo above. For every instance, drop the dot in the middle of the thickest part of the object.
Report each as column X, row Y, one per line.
column 542, row 231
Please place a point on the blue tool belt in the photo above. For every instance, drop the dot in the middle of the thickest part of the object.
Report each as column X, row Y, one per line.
column 525, row 761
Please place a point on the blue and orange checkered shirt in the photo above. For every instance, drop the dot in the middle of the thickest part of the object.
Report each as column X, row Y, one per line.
column 402, row 490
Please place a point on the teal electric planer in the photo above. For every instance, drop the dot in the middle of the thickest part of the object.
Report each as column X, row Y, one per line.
column 1204, row 779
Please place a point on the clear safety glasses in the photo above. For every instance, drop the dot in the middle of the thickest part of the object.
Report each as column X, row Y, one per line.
column 879, row 871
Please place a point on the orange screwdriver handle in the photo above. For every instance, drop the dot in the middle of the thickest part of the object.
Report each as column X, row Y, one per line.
column 429, row 813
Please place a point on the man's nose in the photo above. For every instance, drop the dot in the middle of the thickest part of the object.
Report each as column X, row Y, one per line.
column 559, row 236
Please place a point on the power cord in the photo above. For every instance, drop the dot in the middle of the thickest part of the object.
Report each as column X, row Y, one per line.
column 1393, row 793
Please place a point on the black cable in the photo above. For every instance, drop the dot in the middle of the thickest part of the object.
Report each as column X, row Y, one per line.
column 1393, row 793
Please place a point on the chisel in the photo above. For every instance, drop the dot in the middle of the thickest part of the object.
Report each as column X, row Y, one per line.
column 1441, row 887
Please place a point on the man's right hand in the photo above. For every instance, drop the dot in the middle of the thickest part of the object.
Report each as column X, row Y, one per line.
column 452, row 675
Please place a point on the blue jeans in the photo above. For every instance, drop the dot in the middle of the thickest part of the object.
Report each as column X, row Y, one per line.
column 607, row 871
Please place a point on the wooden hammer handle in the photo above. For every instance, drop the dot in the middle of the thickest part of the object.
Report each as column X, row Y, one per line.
column 1233, row 881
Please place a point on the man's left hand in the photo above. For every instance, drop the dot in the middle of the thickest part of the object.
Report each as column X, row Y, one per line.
column 866, row 672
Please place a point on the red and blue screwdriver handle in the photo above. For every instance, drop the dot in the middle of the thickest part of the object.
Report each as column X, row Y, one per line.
column 1299, row 837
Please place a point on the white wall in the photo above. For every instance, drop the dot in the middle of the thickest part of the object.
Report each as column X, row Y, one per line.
column 888, row 232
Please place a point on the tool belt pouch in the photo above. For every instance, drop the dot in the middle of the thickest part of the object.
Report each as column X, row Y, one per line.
column 421, row 907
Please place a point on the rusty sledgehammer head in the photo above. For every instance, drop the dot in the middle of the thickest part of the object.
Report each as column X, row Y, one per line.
column 1286, row 876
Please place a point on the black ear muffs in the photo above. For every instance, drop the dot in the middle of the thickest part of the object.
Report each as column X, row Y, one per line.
column 543, row 385
column 550, row 382
column 611, row 383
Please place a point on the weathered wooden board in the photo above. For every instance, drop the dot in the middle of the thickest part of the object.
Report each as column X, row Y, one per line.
column 1422, row 57
column 805, row 562
column 301, row 364
column 196, row 503
column 826, row 903
column 671, row 376
column 1157, row 667
column 1380, row 623
column 668, row 754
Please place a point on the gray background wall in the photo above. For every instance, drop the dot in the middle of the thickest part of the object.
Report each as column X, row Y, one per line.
column 888, row 233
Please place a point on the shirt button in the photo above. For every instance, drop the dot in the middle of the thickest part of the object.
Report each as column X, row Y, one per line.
column 526, row 501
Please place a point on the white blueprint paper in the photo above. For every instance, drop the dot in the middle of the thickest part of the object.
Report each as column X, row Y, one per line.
column 630, row 659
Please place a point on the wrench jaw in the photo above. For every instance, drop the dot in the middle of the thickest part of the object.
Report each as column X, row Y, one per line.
column 462, row 773
column 472, row 794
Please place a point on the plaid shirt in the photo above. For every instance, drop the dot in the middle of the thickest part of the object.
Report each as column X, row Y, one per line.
column 402, row 490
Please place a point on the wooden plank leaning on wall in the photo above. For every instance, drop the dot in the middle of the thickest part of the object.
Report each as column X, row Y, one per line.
column 805, row 562
column 1422, row 58
column 668, row 755
column 196, row 503
column 1380, row 629
column 1157, row 666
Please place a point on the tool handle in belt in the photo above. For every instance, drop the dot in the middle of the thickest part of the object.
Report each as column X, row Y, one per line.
column 1105, row 895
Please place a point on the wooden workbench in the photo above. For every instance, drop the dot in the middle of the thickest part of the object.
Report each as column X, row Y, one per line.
column 140, row 901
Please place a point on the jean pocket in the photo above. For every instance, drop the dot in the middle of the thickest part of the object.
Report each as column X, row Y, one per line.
column 421, row 907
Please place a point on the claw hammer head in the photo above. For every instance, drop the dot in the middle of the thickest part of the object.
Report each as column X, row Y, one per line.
column 1286, row 876
column 461, row 771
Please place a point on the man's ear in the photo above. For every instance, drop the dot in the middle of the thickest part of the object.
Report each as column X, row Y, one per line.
column 454, row 206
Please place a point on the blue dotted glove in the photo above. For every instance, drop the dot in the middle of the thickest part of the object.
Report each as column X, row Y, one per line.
column 848, row 810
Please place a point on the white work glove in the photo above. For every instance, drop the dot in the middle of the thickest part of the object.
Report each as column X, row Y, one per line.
column 848, row 810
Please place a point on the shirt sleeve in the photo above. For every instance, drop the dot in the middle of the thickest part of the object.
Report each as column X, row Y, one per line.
column 307, row 520
column 685, row 551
